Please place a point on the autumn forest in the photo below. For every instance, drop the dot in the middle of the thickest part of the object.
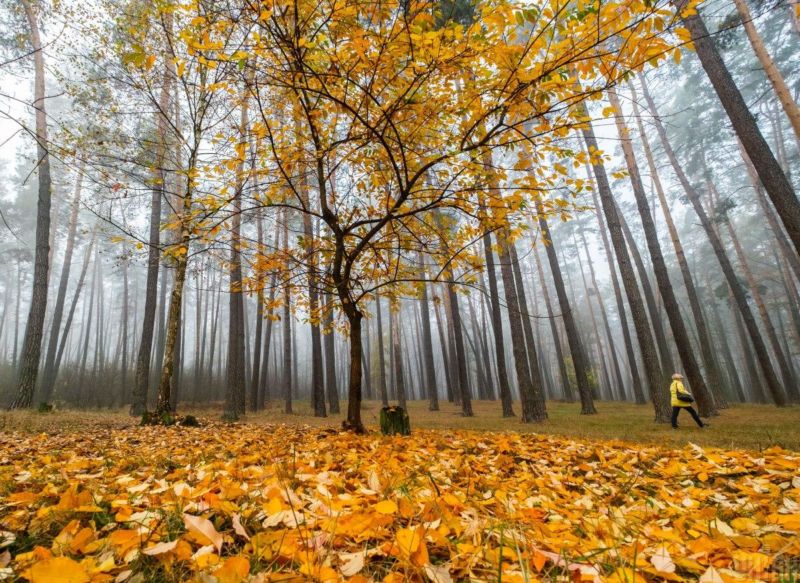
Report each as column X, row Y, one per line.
column 366, row 290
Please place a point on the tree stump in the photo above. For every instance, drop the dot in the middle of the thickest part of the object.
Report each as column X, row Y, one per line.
column 394, row 421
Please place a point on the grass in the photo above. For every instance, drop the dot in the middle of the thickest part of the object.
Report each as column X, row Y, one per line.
column 753, row 427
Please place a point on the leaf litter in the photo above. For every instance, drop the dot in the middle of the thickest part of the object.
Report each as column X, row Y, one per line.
column 233, row 503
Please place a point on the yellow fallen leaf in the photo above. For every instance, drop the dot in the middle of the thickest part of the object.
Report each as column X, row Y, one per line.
column 233, row 570
column 160, row 548
column 56, row 570
column 203, row 527
column 386, row 507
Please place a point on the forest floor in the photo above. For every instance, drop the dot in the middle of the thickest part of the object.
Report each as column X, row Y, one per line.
column 754, row 427
column 91, row 497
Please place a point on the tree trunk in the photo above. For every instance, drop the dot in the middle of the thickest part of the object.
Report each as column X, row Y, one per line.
column 67, row 325
column 527, row 328
column 168, row 383
column 497, row 327
column 87, row 333
column 649, row 297
column 739, row 295
column 638, row 392
column 606, row 324
column 773, row 73
column 530, row 388
column 566, row 386
column 783, row 363
column 235, row 387
column 461, row 355
column 657, row 384
column 287, row 326
column 397, row 361
column 382, row 388
column 578, row 362
column 353, row 421
column 705, row 401
column 444, row 349
column 32, row 342
column 331, row 388
column 142, row 381
column 704, row 338
column 124, row 330
column 257, row 341
column 427, row 344
column 744, row 124
column 48, row 375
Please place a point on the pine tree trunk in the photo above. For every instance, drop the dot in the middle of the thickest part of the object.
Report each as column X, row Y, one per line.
column 48, row 375
column 655, row 378
column 783, row 364
column 705, row 400
column 88, row 328
column 317, row 381
column 782, row 90
column 651, row 301
column 739, row 295
column 124, row 330
column 638, row 392
column 142, row 379
column 67, row 325
column 606, row 325
column 704, row 338
column 444, row 349
column 530, row 388
column 527, row 328
column 431, row 389
column 744, row 124
column 462, row 388
column 397, row 361
column 331, row 387
column 566, row 386
column 32, row 342
column 235, row 387
column 382, row 386
column 573, row 339
column 497, row 325
column 733, row 375
column 257, row 341
column 287, row 326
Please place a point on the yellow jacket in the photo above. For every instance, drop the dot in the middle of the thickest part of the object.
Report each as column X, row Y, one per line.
column 675, row 388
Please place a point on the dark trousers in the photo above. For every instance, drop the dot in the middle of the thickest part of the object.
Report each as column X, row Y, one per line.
column 676, row 410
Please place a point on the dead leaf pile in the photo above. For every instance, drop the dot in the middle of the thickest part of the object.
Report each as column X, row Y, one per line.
column 272, row 503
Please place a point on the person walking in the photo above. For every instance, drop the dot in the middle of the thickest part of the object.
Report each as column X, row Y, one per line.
column 681, row 399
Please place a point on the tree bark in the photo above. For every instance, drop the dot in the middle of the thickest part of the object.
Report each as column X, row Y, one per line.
column 142, row 380
column 399, row 377
column 382, row 388
column 235, row 388
column 773, row 73
column 739, row 295
column 32, row 342
column 573, row 339
column 331, row 387
column 287, row 326
column 566, row 386
column 744, row 124
column 704, row 338
column 48, row 375
column 530, row 387
column 427, row 344
column 67, row 325
column 705, row 401
column 653, row 372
